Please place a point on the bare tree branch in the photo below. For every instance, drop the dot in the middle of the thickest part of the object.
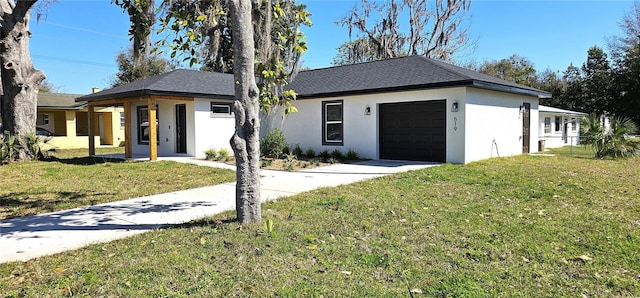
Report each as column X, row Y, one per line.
column 436, row 29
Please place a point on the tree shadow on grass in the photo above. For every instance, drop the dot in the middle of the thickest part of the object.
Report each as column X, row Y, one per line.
column 17, row 203
column 205, row 222
column 85, row 161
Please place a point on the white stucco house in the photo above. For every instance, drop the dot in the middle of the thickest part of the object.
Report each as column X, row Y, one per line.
column 559, row 127
column 409, row 108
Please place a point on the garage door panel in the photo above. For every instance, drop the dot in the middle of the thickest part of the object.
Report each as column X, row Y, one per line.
column 413, row 131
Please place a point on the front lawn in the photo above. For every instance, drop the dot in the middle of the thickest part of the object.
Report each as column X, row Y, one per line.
column 526, row 226
column 72, row 179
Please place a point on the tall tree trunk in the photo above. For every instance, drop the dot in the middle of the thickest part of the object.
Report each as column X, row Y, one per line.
column 20, row 80
column 246, row 140
column 142, row 23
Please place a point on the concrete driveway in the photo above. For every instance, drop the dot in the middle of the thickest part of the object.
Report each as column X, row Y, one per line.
column 30, row 237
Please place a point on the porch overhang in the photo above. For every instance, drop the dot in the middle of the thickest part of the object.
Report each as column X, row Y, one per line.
column 127, row 102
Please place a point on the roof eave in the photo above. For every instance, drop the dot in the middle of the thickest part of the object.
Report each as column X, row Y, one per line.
column 139, row 93
column 510, row 89
column 78, row 107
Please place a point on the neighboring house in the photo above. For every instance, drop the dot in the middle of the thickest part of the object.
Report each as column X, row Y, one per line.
column 67, row 119
column 558, row 127
column 410, row 108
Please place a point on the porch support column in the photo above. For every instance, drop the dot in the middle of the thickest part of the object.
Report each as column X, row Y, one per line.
column 92, row 128
column 128, row 145
column 153, row 129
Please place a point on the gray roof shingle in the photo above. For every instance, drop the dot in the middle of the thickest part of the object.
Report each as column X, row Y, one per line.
column 179, row 82
column 406, row 73
column 60, row 101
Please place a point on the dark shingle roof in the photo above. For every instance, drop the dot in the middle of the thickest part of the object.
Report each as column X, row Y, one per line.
column 179, row 82
column 406, row 73
column 60, row 101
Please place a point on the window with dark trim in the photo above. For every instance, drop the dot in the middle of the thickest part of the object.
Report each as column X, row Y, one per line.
column 220, row 108
column 332, row 123
column 558, row 120
column 143, row 125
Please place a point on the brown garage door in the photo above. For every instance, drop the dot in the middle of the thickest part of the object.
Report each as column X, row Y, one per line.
column 413, row 131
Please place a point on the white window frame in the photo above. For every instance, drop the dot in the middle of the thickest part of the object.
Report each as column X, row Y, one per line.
column 43, row 119
column 326, row 123
column 557, row 120
column 547, row 125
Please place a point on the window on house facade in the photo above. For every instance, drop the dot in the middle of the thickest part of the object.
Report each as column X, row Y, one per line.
column 547, row 124
column 121, row 120
column 558, row 123
column 43, row 119
column 332, row 128
column 143, row 125
column 220, row 108
column 574, row 124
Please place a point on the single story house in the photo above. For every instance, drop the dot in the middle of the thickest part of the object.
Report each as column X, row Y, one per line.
column 67, row 120
column 558, row 127
column 409, row 108
column 182, row 112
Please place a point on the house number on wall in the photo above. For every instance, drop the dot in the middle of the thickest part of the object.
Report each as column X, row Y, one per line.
column 455, row 123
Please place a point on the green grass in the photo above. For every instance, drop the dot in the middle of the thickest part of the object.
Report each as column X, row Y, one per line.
column 526, row 226
column 580, row 151
column 72, row 179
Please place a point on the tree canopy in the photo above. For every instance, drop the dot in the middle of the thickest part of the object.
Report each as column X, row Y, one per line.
column 147, row 66
column 202, row 33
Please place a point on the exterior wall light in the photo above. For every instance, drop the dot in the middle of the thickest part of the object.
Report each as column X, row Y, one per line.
column 367, row 110
column 454, row 106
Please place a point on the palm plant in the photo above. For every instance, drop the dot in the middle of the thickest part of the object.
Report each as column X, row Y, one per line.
column 615, row 142
column 9, row 148
column 35, row 145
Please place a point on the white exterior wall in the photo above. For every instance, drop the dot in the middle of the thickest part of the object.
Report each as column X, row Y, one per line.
column 166, row 127
column 494, row 124
column 555, row 139
column 211, row 131
column 361, row 132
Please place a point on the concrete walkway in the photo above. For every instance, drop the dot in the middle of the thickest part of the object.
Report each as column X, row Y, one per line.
column 30, row 237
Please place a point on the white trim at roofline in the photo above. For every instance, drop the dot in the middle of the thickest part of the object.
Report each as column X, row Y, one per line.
column 547, row 109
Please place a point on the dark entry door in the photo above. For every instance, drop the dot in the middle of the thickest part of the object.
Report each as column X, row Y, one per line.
column 413, row 131
column 526, row 127
column 181, row 128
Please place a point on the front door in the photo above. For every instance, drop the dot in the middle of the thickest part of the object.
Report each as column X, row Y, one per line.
column 526, row 127
column 181, row 128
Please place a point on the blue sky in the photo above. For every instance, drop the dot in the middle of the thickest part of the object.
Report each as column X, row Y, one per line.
column 76, row 43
